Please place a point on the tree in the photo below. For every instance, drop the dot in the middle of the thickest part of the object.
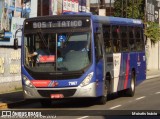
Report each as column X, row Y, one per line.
column 129, row 8
column 152, row 31
column 136, row 11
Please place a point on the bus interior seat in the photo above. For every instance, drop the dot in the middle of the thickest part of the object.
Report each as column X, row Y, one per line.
column 71, row 58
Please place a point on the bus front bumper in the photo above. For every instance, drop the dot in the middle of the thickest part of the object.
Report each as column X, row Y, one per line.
column 67, row 92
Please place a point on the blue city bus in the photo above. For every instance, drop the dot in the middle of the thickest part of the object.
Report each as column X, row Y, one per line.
column 80, row 55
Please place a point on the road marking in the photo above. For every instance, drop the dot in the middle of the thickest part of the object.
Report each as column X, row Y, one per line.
column 157, row 93
column 83, row 117
column 115, row 107
column 140, row 98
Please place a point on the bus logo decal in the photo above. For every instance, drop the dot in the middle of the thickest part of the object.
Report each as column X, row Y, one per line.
column 53, row 84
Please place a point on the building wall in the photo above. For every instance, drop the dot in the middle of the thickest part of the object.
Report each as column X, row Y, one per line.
column 153, row 51
column 34, row 8
column 10, row 70
column 153, row 55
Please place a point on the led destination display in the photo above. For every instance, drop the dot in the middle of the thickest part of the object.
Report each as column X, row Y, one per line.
column 57, row 23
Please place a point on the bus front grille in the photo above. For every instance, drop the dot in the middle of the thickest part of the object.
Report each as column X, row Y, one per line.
column 66, row 93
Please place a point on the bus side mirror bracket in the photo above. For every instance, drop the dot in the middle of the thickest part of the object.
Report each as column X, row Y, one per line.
column 16, row 39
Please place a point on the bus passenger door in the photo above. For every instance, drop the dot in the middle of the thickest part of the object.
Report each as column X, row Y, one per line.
column 99, row 63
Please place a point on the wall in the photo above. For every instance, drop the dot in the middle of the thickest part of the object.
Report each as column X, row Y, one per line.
column 10, row 71
column 153, row 55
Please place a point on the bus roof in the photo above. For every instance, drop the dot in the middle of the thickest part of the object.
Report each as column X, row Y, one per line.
column 110, row 20
column 117, row 21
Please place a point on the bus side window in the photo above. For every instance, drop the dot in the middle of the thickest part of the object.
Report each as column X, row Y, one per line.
column 131, row 38
column 107, row 39
column 115, row 39
column 124, row 38
column 139, row 40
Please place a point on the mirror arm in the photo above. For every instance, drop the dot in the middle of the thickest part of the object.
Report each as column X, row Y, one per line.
column 18, row 30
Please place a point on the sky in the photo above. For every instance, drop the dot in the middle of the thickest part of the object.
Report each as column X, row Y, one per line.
column 96, row 1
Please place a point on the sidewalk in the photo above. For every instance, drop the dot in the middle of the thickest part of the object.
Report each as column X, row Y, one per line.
column 152, row 73
column 13, row 97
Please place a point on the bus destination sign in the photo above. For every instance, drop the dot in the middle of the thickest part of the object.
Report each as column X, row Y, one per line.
column 48, row 24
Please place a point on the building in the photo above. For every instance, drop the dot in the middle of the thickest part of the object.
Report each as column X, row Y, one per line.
column 94, row 8
column 17, row 10
column 153, row 51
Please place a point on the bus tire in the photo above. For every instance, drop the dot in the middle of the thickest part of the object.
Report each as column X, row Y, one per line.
column 131, row 91
column 46, row 103
column 102, row 100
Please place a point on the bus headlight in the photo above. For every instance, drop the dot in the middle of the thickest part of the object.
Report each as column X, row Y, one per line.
column 87, row 80
column 27, row 82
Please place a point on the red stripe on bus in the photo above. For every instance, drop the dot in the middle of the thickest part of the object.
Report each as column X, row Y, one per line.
column 127, row 73
column 40, row 83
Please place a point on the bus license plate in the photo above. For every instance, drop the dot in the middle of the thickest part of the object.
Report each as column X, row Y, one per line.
column 57, row 96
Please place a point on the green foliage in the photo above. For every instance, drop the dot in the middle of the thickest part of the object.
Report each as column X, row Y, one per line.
column 136, row 11
column 153, row 32
column 126, row 10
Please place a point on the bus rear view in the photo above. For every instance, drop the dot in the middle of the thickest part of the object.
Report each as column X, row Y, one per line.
column 57, row 58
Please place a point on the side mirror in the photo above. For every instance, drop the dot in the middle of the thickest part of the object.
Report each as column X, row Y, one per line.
column 16, row 43
column 2, row 33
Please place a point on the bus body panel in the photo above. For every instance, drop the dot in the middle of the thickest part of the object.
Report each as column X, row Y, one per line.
column 141, row 68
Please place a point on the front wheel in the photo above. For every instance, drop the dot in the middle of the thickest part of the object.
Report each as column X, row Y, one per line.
column 102, row 100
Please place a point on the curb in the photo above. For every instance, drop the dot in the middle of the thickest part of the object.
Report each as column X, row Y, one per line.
column 151, row 77
column 16, row 104
column 3, row 106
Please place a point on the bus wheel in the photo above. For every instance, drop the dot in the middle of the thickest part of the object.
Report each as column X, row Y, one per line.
column 131, row 91
column 102, row 100
column 46, row 103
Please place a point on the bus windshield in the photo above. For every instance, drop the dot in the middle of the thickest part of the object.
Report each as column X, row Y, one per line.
column 57, row 52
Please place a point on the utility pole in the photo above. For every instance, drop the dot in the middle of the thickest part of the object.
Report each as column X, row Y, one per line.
column 110, row 8
column 41, row 7
column 122, row 9
column 132, row 8
column 126, row 7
